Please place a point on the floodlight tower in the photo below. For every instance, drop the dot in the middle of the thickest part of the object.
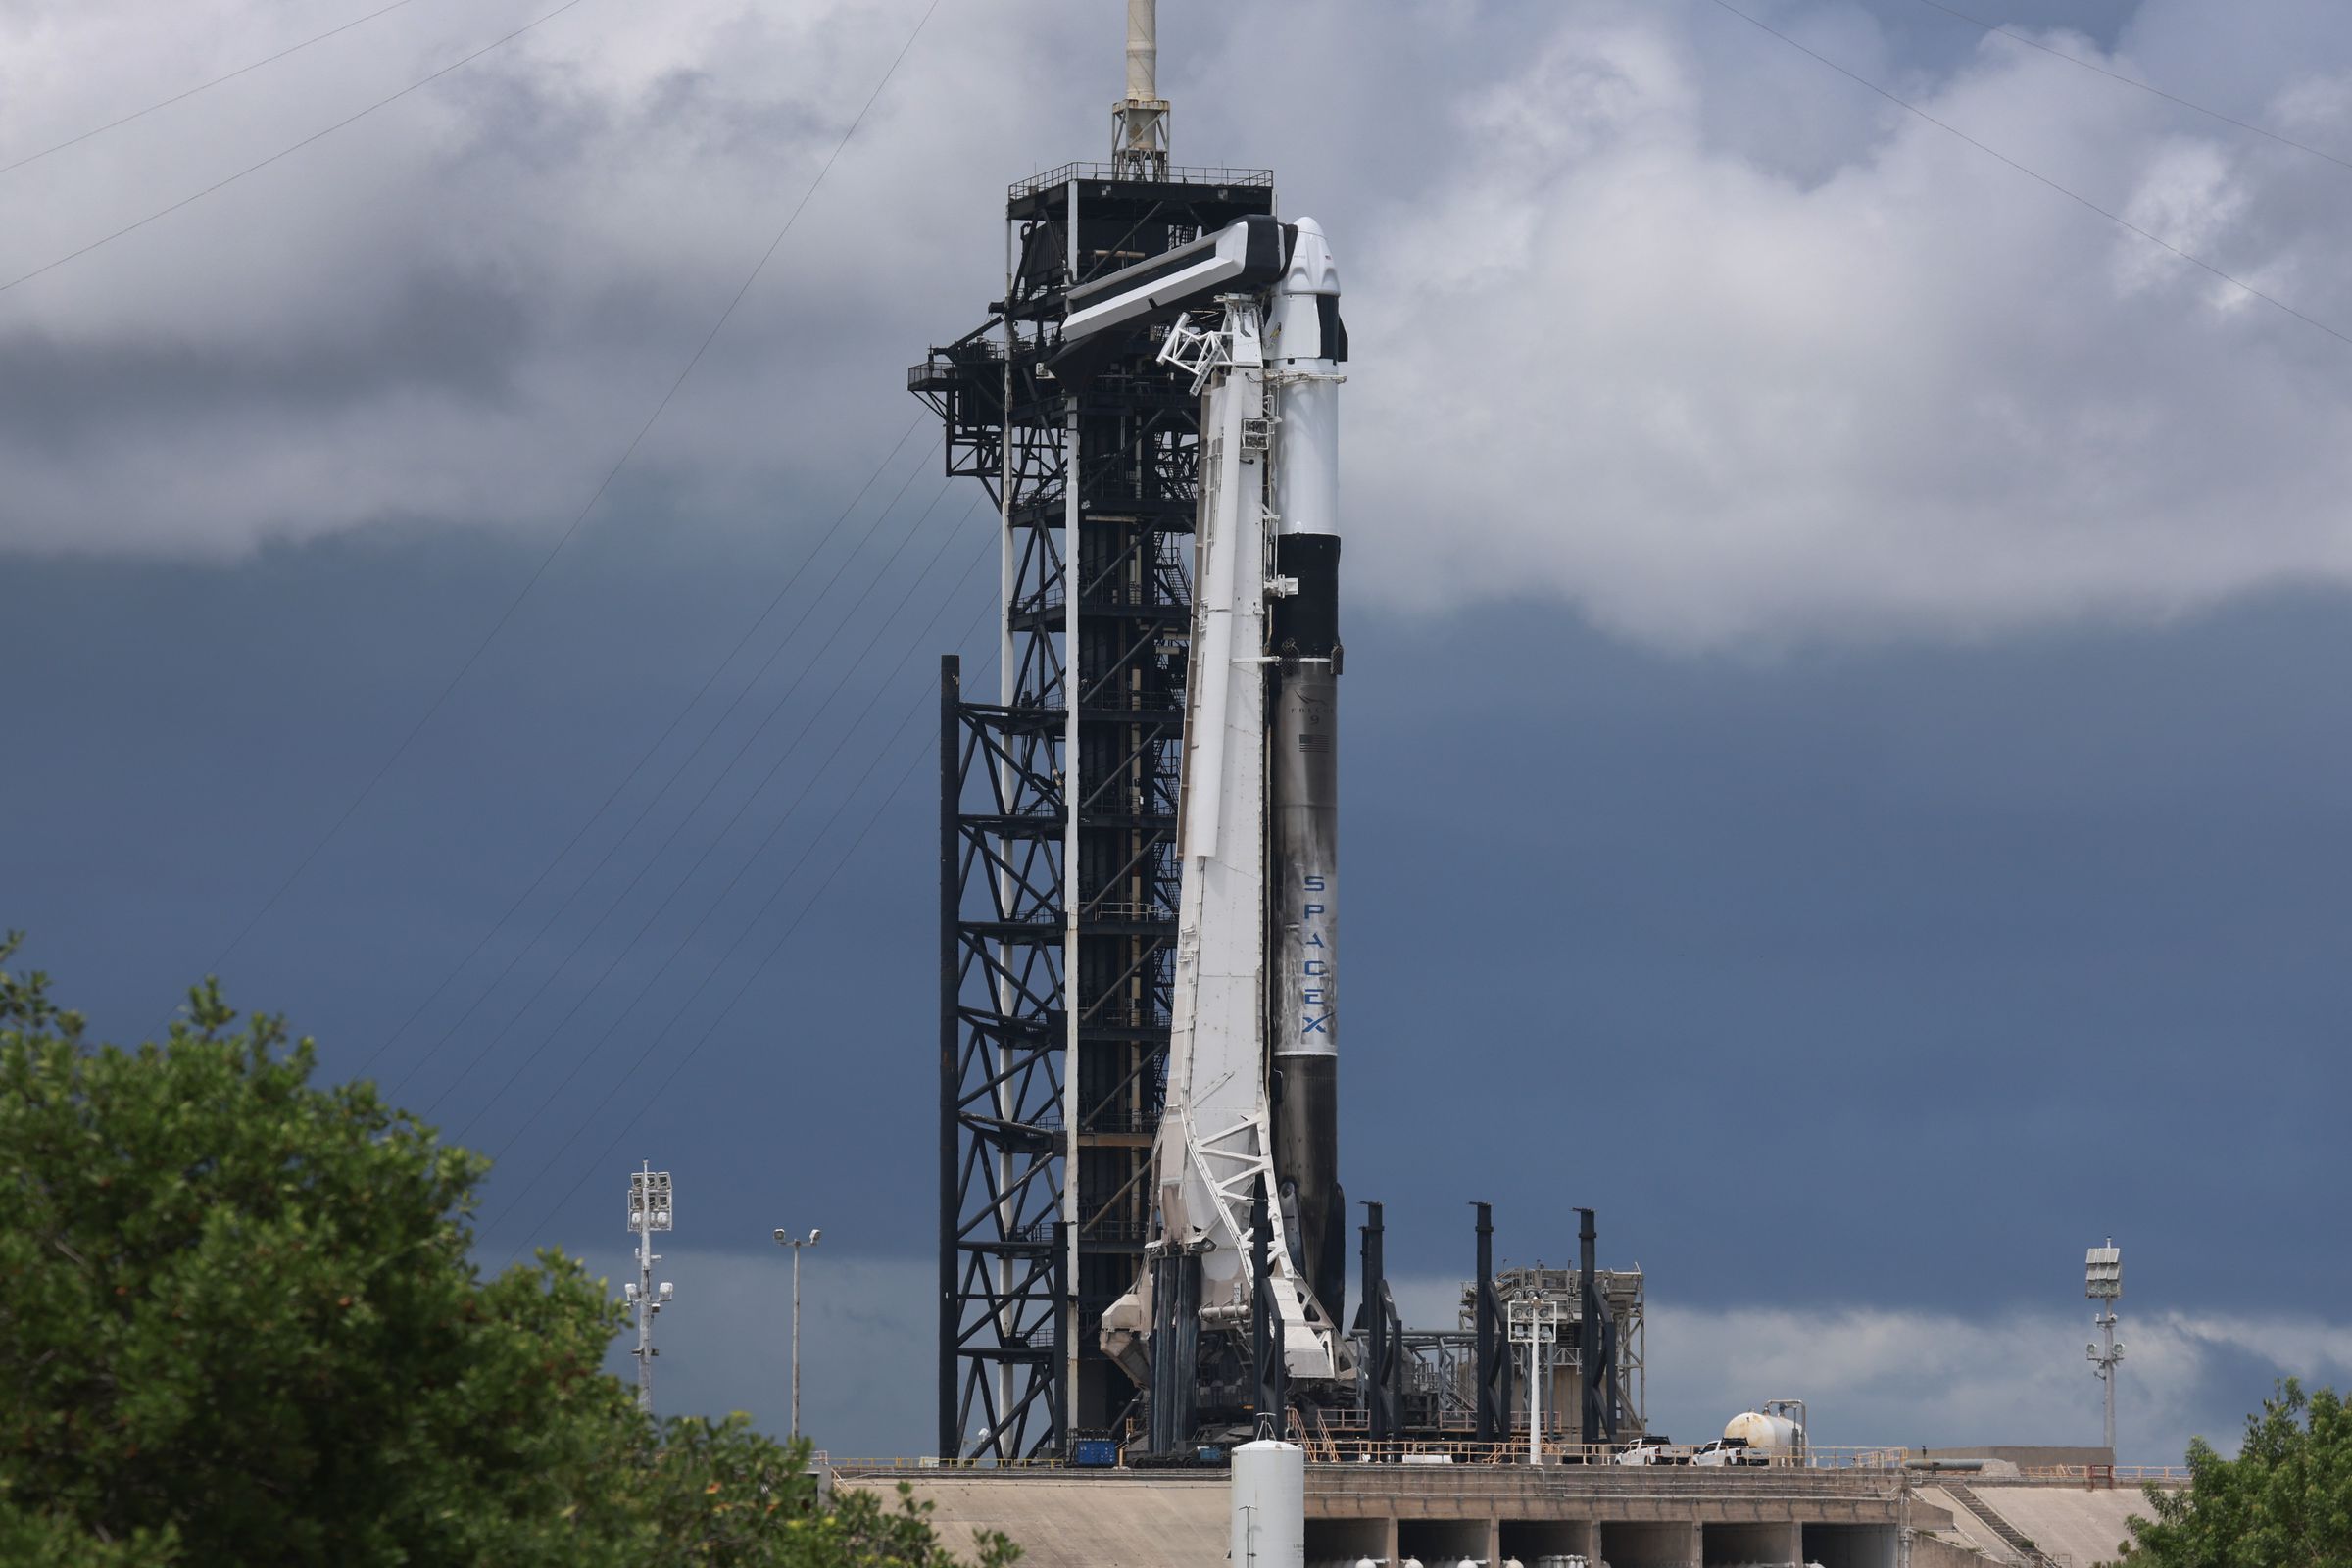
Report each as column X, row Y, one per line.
column 2103, row 1281
column 649, row 1211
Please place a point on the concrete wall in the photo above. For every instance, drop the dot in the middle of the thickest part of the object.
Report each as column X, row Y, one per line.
column 1067, row 1522
column 1929, row 1552
column 2087, row 1526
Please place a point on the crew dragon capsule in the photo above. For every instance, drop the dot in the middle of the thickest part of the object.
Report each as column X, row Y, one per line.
column 1253, row 1088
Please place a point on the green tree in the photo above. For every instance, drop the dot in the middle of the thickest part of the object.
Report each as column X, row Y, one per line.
column 239, row 1323
column 2287, row 1498
column 719, row 1493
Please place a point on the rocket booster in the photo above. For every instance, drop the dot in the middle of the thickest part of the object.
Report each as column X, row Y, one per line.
column 1252, row 1078
column 1306, row 343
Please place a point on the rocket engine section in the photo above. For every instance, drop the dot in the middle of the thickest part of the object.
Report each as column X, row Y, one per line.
column 1306, row 343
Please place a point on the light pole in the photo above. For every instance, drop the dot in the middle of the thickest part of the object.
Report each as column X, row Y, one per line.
column 650, row 1210
column 796, row 1243
column 1535, row 1322
column 2103, row 1281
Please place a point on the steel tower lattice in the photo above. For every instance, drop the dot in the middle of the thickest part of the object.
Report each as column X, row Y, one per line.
column 1055, row 987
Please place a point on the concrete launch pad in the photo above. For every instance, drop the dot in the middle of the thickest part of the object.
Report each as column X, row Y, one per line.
column 1629, row 1518
column 1440, row 1514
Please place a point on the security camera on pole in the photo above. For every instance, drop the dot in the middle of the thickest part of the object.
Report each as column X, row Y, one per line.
column 2103, row 1281
column 649, row 1211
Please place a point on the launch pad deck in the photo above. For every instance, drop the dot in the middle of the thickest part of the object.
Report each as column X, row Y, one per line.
column 1440, row 1514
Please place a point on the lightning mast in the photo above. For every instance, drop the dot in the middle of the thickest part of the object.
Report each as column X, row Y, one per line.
column 1138, row 137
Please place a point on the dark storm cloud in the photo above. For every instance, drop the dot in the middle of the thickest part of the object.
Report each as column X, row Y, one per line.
column 444, row 337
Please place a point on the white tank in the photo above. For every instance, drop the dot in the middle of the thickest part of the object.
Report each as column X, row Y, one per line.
column 1269, row 1505
column 1766, row 1434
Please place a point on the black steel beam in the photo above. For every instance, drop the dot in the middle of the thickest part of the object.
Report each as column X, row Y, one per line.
column 951, row 1031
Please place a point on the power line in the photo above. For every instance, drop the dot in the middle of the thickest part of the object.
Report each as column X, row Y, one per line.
column 647, row 756
column 507, row 614
column 2112, row 217
column 184, row 97
column 647, row 808
column 708, row 850
column 661, row 790
column 2133, row 81
column 736, row 1000
column 482, row 1054
column 287, row 152
column 687, row 940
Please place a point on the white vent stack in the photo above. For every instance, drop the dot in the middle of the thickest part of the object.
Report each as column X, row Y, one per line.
column 1269, row 1505
column 1139, row 133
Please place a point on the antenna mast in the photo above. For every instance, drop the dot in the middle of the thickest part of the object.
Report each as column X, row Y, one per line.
column 1139, row 123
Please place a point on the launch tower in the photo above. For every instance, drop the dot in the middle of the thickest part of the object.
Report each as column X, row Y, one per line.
column 1059, row 871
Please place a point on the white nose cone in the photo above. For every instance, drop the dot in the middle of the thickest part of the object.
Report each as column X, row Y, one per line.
column 1303, row 323
column 1311, row 270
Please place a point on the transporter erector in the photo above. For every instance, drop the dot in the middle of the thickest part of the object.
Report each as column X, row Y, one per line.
column 1246, row 1165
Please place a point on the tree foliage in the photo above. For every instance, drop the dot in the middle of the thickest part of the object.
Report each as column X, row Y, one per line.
column 2286, row 1499
column 239, row 1323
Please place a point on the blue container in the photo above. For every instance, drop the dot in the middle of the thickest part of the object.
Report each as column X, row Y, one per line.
column 1096, row 1453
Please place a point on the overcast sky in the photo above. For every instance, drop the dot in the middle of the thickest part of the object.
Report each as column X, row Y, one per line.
column 1846, row 763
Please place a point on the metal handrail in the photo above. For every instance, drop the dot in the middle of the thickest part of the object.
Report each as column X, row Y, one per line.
column 1121, row 1121
column 1589, row 1456
column 1580, row 1467
column 2082, row 1475
column 894, row 1463
column 1185, row 174
column 1124, row 1017
column 1126, row 909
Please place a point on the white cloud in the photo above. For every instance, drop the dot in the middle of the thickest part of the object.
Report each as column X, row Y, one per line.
column 1653, row 314
column 1711, row 399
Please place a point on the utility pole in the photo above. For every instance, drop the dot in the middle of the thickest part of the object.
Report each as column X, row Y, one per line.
column 649, row 1211
column 783, row 1238
column 2103, row 1281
